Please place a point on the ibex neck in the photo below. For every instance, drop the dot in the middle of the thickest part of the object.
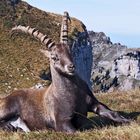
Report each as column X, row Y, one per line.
column 59, row 80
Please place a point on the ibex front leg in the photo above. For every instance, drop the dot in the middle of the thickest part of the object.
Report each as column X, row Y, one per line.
column 102, row 110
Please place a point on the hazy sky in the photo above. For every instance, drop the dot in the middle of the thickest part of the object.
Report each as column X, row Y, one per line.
column 119, row 19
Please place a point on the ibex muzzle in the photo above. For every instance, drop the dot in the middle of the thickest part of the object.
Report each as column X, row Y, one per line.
column 70, row 69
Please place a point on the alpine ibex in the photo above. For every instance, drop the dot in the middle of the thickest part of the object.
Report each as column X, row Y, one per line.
column 62, row 105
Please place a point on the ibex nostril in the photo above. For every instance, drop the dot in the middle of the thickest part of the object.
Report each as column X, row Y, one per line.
column 71, row 67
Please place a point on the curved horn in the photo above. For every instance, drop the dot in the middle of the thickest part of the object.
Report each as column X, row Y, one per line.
column 35, row 33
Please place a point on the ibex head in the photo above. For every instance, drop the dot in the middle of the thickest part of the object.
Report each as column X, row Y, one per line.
column 58, row 54
column 60, row 58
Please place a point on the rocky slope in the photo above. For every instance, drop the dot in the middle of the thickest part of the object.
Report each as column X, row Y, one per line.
column 114, row 65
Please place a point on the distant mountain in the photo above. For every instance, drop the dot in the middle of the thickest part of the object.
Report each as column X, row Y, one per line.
column 115, row 67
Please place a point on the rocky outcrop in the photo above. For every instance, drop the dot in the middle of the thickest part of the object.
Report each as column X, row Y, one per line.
column 127, row 69
column 127, row 65
column 114, row 65
column 82, row 56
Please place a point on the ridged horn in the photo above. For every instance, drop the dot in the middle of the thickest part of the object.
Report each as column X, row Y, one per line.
column 35, row 33
column 64, row 28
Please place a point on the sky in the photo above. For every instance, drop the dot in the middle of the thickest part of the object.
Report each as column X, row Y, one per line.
column 118, row 19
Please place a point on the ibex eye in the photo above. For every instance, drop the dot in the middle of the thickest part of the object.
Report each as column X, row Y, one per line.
column 54, row 57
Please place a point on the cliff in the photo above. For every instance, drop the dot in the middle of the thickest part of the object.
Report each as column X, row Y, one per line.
column 115, row 67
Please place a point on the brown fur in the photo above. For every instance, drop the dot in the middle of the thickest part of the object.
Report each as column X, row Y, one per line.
column 63, row 104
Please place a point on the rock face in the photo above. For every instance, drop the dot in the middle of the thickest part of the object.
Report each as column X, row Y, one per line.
column 114, row 65
column 82, row 56
column 128, row 65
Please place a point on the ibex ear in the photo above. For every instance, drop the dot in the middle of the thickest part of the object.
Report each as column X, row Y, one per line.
column 45, row 52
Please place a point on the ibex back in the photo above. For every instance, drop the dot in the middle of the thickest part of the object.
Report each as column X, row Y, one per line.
column 63, row 104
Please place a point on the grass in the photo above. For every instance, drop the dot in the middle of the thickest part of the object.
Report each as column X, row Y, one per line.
column 128, row 103
column 130, row 132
